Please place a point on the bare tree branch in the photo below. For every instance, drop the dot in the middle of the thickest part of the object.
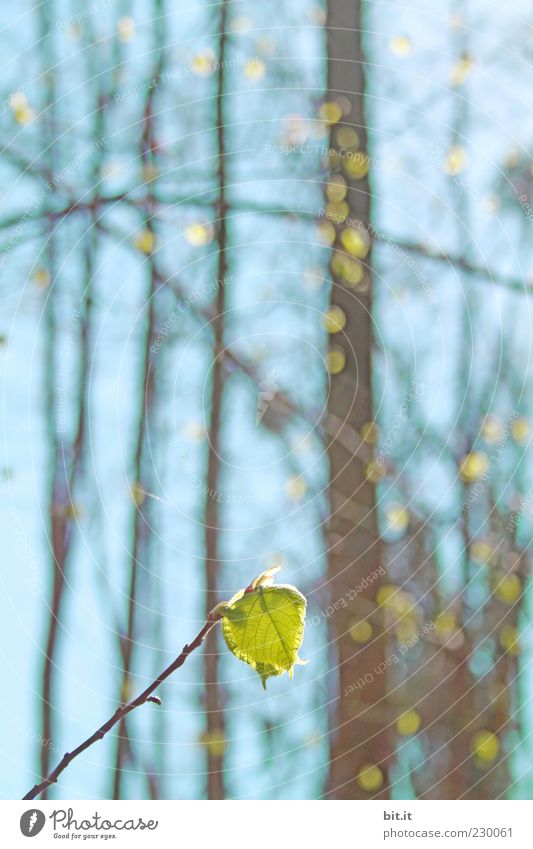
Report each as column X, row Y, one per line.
column 123, row 710
column 457, row 261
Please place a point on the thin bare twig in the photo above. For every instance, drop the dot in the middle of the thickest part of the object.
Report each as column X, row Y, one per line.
column 123, row 710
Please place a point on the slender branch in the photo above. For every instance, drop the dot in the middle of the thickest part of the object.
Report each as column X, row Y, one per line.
column 123, row 710
column 457, row 261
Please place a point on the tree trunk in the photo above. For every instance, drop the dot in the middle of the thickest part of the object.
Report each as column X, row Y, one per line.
column 359, row 737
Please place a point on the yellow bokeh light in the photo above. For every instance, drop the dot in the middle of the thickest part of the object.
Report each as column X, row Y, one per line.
column 445, row 624
column 354, row 275
column 509, row 639
column 400, row 45
column 455, row 160
column 356, row 166
column 370, row 432
column 490, row 203
column 460, row 71
column 492, row 429
column 351, row 270
column 361, row 632
column 395, row 599
column 295, row 488
column 386, row 593
column 406, row 628
column 41, row 278
column 336, row 188
column 356, row 241
column 330, row 112
column 481, row 551
column 520, row 430
column 408, row 723
column 203, row 64
column 22, row 111
column 338, row 211
column 508, row 589
column 397, row 517
column 485, row 747
column 375, row 471
column 334, row 320
column 137, row 493
column 473, row 466
column 144, row 241
column 347, row 138
column 255, row 69
column 214, row 741
column 370, row 778
column 335, row 359
column 149, row 172
column 199, row 234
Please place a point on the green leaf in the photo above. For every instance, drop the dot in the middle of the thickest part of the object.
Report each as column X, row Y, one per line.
column 264, row 626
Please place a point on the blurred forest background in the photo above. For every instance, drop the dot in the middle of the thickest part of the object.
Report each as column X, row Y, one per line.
column 266, row 282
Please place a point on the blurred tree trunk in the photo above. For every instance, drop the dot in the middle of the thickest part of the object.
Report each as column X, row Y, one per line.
column 141, row 524
column 358, row 736
column 213, row 696
column 59, row 519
